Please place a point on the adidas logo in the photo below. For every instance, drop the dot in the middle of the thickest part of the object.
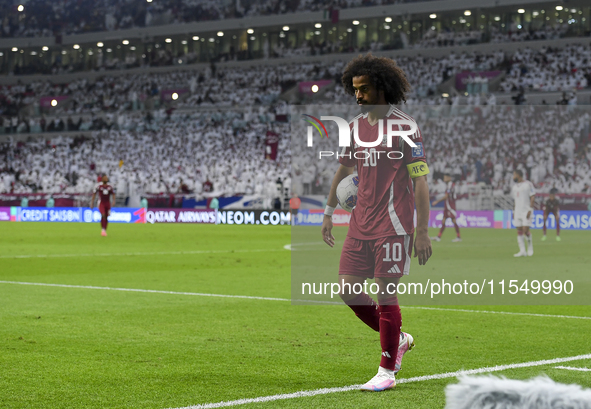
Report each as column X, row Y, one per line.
column 386, row 354
column 394, row 270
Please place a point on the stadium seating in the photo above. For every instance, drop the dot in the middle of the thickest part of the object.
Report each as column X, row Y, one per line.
column 128, row 110
column 483, row 145
column 45, row 17
column 177, row 158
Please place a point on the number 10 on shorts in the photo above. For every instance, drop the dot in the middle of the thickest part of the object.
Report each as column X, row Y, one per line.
column 396, row 252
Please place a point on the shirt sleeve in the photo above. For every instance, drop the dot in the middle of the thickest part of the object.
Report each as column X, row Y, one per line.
column 532, row 189
column 415, row 158
column 346, row 157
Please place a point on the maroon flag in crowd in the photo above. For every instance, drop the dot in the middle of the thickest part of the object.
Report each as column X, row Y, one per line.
column 271, row 145
column 331, row 14
column 334, row 16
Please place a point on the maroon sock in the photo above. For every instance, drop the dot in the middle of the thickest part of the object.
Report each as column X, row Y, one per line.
column 457, row 229
column 557, row 227
column 104, row 222
column 544, row 227
column 390, row 323
column 367, row 310
column 442, row 229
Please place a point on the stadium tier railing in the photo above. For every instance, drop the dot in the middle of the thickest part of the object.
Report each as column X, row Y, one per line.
column 155, row 200
column 480, row 197
column 40, row 199
column 437, row 52
column 275, row 20
column 503, row 202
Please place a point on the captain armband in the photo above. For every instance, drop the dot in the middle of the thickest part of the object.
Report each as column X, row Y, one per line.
column 417, row 169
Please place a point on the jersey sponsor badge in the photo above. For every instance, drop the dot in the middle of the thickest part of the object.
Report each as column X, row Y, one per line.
column 105, row 192
column 418, row 151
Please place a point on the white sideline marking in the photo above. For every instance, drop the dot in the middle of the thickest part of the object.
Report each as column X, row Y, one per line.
column 326, row 391
column 137, row 290
column 153, row 253
column 573, row 368
column 251, row 297
column 292, row 245
column 529, row 314
column 311, row 243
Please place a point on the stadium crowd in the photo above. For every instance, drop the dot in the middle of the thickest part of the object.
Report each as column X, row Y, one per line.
column 51, row 17
column 478, row 144
column 548, row 69
column 210, row 156
column 483, row 145
column 134, row 115
column 215, row 86
column 448, row 38
column 158, row 56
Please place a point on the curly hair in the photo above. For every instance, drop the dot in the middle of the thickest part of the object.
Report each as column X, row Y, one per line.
column 383, row 73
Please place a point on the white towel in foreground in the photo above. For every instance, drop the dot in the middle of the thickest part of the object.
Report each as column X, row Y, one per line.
column 490, row 392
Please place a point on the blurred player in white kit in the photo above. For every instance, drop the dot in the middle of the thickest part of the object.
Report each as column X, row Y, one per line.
column 523, row 193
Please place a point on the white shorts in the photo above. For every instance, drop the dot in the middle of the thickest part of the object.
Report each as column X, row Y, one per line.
column 520, row 219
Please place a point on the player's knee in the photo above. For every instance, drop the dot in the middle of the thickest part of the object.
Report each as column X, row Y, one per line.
column 346, row 297
column 387, row 291
column 345, row 291
column 387, row 299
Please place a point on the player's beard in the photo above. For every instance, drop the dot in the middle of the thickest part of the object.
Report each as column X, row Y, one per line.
column 365, row 108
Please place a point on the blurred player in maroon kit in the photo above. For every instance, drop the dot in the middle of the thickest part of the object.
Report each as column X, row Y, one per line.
column 552, row 205
column 105, row 192
column 380, row 236
column 449, row 211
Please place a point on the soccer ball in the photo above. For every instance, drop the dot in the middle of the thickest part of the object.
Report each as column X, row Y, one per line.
column 347, row 192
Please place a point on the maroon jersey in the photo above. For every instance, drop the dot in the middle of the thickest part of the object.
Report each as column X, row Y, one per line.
column 207, row 186
column 552, row 206
column 104, row 193
column 450, row 201
column 385, row 199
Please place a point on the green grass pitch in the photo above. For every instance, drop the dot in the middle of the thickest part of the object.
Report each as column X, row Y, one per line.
column 72, row 347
